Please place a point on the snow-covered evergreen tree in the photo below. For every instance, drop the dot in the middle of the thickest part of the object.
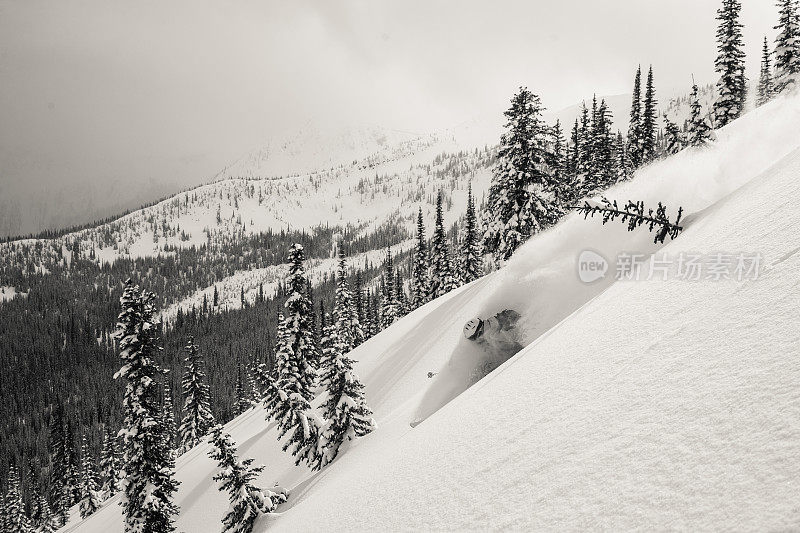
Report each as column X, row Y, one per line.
column 72, row 471
column 59, row 491
column 90, row 495
column 649, row 125
column 344, row 310
column 558, row 164
column 168, row 412
column 700, row 132
column 48, row 522
column 15, row 518
column 389, row 311
column 787, row 47
column 242, row 392
column 345, row 409
column 236, row 477
column 300, row 318
column 584, row 141
column 253, row 381
column 442, row 277
column 732, row 84
column 33, row 497
column 400, row 294
column 358, row 301
column 765, row 90
column 267, row 387
column 110, row 474
column 519, row 202
column 420, row 283
column 295, row 375
column 269, row 384
column 197, row 418
column 635, row 125
column 621, row 154
column 471, row 256
column 148, row 462
column 673, row 137
column 572, row 160
column 604, row 162
column 373, row 313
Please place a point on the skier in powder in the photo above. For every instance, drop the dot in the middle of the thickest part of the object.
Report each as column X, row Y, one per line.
column 497, row 337
column 488, row 344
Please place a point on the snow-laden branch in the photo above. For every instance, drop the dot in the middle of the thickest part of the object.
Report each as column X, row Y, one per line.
column 634, row 214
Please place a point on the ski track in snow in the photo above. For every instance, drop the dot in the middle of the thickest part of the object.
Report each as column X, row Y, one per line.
column 637, row 405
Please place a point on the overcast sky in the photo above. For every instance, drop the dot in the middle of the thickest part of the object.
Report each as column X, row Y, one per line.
column 143, row 94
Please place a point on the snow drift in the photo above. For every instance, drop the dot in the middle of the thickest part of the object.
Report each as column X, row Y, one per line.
column 650, row 404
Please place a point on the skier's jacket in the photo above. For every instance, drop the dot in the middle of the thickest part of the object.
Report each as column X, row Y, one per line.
column 499, row 339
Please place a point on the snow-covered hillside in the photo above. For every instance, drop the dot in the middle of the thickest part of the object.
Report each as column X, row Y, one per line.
column 363, row 195
column 636, row 405
column 265, row 281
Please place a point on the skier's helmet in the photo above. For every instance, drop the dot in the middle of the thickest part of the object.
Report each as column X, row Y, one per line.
column 473, row 328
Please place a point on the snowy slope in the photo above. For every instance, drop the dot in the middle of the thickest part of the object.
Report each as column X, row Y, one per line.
column 636, row 405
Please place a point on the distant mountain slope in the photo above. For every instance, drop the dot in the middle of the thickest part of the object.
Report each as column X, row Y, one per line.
column 643, row 404
column 314, row 148
column 365, row 194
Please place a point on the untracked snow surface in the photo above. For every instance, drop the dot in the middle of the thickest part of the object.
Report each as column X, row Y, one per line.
column 657, row 404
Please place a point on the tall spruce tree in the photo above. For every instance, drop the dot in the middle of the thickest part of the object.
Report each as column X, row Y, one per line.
column 519, row 202
column 268, row 380
column 765, row 90
column 590, row 146
column 649, row 125
column 574, row 156
column 90, row 495
column 787, row 47
column 374, row 314
column 700, row 132
column 59, row 491
column 400, row 293
column 442, row 277
column 300, row 318
column 389, row 311
column 358, row 302
column 471, row 257
column 295, row 375
column 732, row 84
column 168, row 410
column 197, row 417
column 584, row 141
column 345, row 409
column 673, row 138
column 72, row 471
column 237, row 477
column 420, row 285
column 604, row 162
column 558, row 164
column 344, row 310
column 148, row 462
column 48, row 522
column 635, row 127
column 623, row 163
column 15, row 518
column 243, row 391
column 110, row 474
